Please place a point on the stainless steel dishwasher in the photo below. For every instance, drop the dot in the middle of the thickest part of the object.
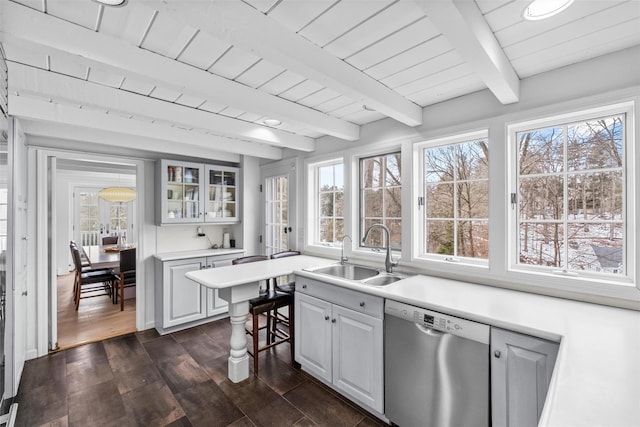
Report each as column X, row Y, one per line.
column 436, row 368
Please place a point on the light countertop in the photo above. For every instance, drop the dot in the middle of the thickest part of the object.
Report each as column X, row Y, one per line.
column 173, row 256
column 226, row 277
column 596, row 379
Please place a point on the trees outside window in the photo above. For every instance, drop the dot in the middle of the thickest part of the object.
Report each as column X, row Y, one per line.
column 570, row 199
column 380, row 198
column 330, row 203
column 456, row 198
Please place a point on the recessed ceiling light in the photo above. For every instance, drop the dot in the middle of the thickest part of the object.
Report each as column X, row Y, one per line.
column 111, row 2
column 272, row 122
column 543, row 9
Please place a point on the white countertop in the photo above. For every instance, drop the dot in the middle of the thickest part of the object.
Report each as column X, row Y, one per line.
column 226, row 277
column 172, row 256
column 596, row 379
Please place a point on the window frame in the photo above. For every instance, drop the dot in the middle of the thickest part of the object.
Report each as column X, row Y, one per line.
column 360, row 189
column 584, row 281
column 313, row 170
column 419, row 242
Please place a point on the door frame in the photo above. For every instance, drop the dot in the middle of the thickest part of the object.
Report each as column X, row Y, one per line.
column 45, row 278
column 18, row 200
column 288, row 167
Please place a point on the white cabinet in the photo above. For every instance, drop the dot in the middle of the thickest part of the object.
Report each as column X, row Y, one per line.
column 182, row 303
column 197, row 193
column 183, row 300
column 222, row 195
column 215, row 304
column 181, row 192
column 338, row 338
column 521, row 368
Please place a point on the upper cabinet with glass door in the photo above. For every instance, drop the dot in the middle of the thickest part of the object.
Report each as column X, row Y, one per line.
column 197, row 193
column 181, row 192
column 222, row 194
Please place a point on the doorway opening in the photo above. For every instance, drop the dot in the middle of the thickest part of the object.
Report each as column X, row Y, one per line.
column 92, row 222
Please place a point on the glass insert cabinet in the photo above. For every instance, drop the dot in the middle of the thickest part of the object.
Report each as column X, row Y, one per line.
column 197, row 193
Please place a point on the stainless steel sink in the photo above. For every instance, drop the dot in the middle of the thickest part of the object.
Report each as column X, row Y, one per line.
column 383, row 280
column 347, row 271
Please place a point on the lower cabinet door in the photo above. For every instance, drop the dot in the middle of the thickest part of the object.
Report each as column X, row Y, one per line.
column 358, row 356
column 215, row 304
column 184, row 300
column 313, row 335
column 521, row 368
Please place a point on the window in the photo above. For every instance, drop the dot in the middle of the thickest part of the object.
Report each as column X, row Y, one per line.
column 90, row 227
column 571, row 195
column 454, row 189
column 329, row 205
column 97, row 218
column 380, row 198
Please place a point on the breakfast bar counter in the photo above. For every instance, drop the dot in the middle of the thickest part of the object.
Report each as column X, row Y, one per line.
column 237, row 284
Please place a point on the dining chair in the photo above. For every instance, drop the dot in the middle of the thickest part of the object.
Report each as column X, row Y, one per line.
column 127, row 276
column 85, row 264
column 285, row 285
column 109, row 240
column 91, row 282
column 264, row 305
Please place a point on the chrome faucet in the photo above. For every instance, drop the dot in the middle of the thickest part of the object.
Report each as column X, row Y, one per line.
column 388, row 262
column 343, row 258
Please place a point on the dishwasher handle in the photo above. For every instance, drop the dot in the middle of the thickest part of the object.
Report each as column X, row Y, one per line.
column 429, row 331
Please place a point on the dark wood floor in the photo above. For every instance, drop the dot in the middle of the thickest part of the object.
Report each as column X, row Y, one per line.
column 144, row 379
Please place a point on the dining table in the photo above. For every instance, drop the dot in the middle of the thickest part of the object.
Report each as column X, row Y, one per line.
column 103, row 256
column 237, row 284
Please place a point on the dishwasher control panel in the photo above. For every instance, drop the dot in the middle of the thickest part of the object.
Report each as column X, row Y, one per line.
column 439, row 321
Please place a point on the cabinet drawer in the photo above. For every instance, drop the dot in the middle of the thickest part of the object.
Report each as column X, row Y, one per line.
column 348, row 298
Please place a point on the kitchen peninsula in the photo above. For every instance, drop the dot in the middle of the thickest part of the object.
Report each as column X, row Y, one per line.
column 237, row 284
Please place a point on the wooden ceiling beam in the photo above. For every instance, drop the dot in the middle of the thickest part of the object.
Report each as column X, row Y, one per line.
column 26, row 79
column 243, row 26
column 57, row 135
column 128, row 60
column 464, row 26
column 39, row 109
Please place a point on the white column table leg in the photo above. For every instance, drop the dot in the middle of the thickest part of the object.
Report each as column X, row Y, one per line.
column 238, row 358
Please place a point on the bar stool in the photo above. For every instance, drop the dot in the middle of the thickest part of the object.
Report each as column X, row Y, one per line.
column 264, row 305
column 289, row 287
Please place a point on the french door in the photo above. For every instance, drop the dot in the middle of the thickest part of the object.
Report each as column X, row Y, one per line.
column 279, row 213
column 95, row 218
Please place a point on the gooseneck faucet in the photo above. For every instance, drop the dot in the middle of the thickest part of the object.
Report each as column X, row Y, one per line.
column 388, row 263
column 343, row 258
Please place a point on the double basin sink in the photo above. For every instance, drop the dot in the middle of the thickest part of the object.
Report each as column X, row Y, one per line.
column 366, row 275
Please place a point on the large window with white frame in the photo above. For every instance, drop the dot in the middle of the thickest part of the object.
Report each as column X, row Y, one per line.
column 571, row 195
column 453, row 188
column 328, row 206
column 380, row 199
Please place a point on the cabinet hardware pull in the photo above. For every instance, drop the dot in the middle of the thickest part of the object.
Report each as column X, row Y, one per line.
column 333, row 320
column 497, row 354
column 304, row 286
column 326, row 317
column 361, row 303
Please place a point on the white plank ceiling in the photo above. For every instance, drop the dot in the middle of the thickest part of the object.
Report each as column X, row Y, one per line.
column 206, row 74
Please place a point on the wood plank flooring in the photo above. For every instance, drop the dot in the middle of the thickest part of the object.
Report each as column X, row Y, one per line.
column 96, row 319
column 180, row 379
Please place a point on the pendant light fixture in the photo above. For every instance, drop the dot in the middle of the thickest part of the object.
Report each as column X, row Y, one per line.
column 117, row 194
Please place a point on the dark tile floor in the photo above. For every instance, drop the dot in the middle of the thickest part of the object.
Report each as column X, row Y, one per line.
column 145, row 379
